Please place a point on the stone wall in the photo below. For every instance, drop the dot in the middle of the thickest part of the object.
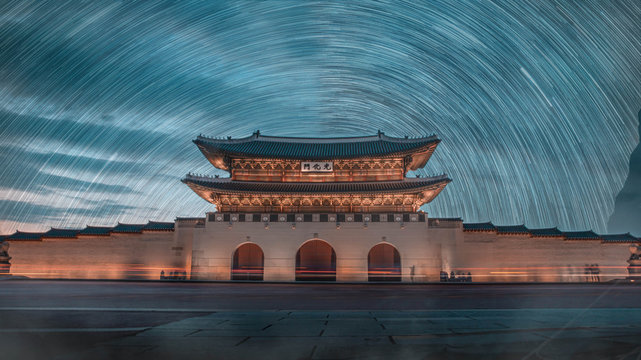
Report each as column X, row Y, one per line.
column 500, row 258
column 214, row 246
column 118, row 256
column 204, row 249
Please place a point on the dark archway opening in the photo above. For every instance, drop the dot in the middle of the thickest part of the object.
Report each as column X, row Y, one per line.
column 383, row 263
column 248, row 263
column 316, row 261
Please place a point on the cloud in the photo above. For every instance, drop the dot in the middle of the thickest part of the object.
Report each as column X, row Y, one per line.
column 22, row 211
column 22, row 170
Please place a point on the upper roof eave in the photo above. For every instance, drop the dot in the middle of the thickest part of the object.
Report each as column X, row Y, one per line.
column 272, row 147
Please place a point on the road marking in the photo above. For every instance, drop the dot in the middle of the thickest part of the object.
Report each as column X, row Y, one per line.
column 24, row 308
column 65, row 330
column 187, row 310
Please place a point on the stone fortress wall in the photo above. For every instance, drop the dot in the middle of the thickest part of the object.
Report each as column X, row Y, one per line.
column 131, row 254
column 203, row 249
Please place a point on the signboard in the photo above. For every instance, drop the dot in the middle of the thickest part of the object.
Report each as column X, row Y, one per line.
column 313, row 166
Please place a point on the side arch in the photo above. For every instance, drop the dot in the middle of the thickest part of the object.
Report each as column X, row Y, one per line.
column 316, row 261
column 248, row 263
column 383, row 263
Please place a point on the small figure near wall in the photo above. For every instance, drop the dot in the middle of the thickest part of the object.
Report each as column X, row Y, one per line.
column 458, row 277
column 5, row 265
column 595, row 273
column 634, row 270
column 592, row 272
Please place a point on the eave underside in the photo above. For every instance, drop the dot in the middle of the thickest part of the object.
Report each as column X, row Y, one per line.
column 408, row 195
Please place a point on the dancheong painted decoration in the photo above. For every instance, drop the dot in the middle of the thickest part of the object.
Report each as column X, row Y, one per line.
column 303, row 175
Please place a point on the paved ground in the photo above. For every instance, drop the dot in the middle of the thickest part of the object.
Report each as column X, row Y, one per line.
column 151, row 320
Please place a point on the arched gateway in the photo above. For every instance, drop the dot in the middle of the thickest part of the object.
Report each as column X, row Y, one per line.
column 383, row 263
column 316, row 261
column 248, row 263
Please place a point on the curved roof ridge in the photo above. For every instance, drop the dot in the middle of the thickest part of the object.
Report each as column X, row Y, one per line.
column 318, row 140
column 29, row 232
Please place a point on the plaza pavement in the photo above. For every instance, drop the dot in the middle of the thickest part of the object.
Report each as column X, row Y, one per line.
column 464, row 334
column 386, row 328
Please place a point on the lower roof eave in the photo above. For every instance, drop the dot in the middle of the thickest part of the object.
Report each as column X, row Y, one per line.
column 436, row 185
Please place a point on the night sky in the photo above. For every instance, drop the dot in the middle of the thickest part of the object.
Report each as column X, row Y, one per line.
column 536, row 104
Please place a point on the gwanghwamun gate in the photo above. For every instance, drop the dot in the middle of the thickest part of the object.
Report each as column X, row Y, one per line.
column 331, row 209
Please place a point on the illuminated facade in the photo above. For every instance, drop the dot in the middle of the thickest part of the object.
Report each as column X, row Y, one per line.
column 306, row 175
column 301, row 207
column 332, row 209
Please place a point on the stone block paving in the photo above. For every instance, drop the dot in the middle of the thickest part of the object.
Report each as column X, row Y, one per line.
column 461, row 334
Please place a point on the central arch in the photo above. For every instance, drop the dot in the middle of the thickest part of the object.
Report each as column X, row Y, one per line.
column 316, row 261
column 384, row 263
column 248, row 263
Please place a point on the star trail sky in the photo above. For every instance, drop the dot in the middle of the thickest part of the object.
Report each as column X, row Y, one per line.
column 535, row 102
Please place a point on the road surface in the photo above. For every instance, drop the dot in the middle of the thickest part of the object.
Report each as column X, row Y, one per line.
column 157, row 320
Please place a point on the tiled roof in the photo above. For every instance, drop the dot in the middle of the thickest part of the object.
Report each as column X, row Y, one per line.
column 90, row 231
column 620, row 238
column 314, row 148
column 488, row 226
column 28, row 236
column 96, row 231
column 547, row 232
column 128, row 228
column 158, row 226
column 61, row 233
column 550, row 232
column 512, row 229
column 226, row 185
column 581, row 235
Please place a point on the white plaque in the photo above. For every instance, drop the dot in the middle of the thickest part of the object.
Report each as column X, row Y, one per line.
column 314, row 166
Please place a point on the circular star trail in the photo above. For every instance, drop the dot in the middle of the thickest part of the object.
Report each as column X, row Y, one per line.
column 535, row 102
